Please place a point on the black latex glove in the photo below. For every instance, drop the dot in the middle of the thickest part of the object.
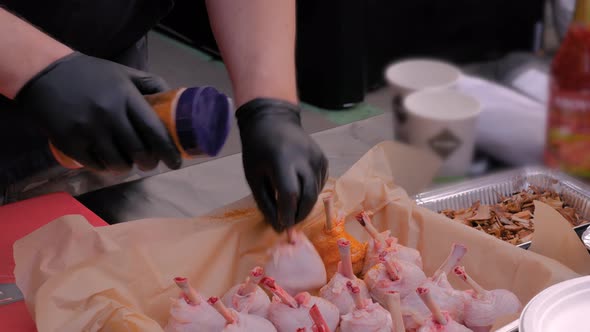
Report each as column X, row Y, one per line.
column 93, row 111
column 284, row 167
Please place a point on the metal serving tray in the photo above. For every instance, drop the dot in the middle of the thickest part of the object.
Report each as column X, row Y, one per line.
column 486, row 189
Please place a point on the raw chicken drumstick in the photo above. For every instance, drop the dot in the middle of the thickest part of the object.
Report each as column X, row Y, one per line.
column 484, row 307
column 384, row 243
column 296, row 264
column 394, row 307
column 325, row 240
column 367, row 316
column 336, row 291
column 248, row 297
column 448, row 298
column 240, row 322
column 190, row 312
column 393, row 275
column 439, row 321
column 290, row 314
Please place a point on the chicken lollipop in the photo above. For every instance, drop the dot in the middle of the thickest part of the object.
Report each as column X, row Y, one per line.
column 296, row 264
column 439, row 321
column 449, row 299
column 393, row 275
column 394, row 307
column 325, row 239
column 336, row 291
column 191, row 313
column 240, row 322
column 290, row 313
column 367, row 316
column 248, row 297
column 483, row 307
column 383, row 242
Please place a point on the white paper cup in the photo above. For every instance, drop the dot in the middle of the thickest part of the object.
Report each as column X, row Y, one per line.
column 443, row 121
column 408, row 76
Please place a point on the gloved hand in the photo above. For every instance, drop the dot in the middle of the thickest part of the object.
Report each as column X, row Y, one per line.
column 284, row 167
column 93, row 111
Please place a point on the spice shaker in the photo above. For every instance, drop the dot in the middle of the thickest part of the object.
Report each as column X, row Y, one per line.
column 197, row 119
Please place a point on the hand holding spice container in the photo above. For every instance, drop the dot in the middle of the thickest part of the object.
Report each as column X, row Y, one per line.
column 568, row 130
column 197, row 118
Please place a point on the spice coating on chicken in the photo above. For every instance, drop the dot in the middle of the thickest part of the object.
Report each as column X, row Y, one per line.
column 325, row 241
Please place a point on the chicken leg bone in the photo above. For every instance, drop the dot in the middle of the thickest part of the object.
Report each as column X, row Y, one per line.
column 190, row 294
column 390, row 267
column 424, row 294
column 480, row 291
column 365, row 221
column 355, row 291
column 457, row 253
column 252, row 282
column 394, row 307
column 291, row 235
column 222, row 309
column 319, row 323
column 270, row 284
column 345, row 258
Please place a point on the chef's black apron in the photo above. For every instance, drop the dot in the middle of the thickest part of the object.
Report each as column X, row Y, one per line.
column 109, row 29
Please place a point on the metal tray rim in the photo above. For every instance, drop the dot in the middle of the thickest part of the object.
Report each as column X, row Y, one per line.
column 499, row 177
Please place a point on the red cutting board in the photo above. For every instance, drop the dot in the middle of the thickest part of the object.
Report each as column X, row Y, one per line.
column 16, row 221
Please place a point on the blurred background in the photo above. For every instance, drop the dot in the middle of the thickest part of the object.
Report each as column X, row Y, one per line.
column 343, row 48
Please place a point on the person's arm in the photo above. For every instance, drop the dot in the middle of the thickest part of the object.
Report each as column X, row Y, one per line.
column 257, row 42
column 25, row 52
column 284, row 167
column 90, row 109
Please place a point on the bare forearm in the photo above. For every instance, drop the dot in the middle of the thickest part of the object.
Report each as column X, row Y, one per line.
column 257, row 42
column 25, row 52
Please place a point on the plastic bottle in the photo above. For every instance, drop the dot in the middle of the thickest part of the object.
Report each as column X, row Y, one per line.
column 198, row 120
column 568, row 127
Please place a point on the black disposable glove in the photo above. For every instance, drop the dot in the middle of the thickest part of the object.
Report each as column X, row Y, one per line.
column 93, row 111
column 285, row 168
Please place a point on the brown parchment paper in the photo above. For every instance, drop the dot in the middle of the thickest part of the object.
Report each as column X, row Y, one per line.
column 555, row 238
column 119, row 278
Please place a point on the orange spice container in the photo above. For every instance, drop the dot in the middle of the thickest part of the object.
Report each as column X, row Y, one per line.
column 198, row 120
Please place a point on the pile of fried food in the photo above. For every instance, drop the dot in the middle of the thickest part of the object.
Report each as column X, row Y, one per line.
column 332, row 282
column 511, row 219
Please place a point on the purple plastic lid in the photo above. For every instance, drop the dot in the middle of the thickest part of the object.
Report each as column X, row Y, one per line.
column 202, row 120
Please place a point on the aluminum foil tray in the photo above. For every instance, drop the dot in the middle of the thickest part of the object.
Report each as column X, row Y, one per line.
column 486, row 189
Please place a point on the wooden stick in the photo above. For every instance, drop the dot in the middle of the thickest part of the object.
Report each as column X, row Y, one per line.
column 189, row 292
column 438, row 316
column 329, row 210
column 222, row 309
column 394, row 307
